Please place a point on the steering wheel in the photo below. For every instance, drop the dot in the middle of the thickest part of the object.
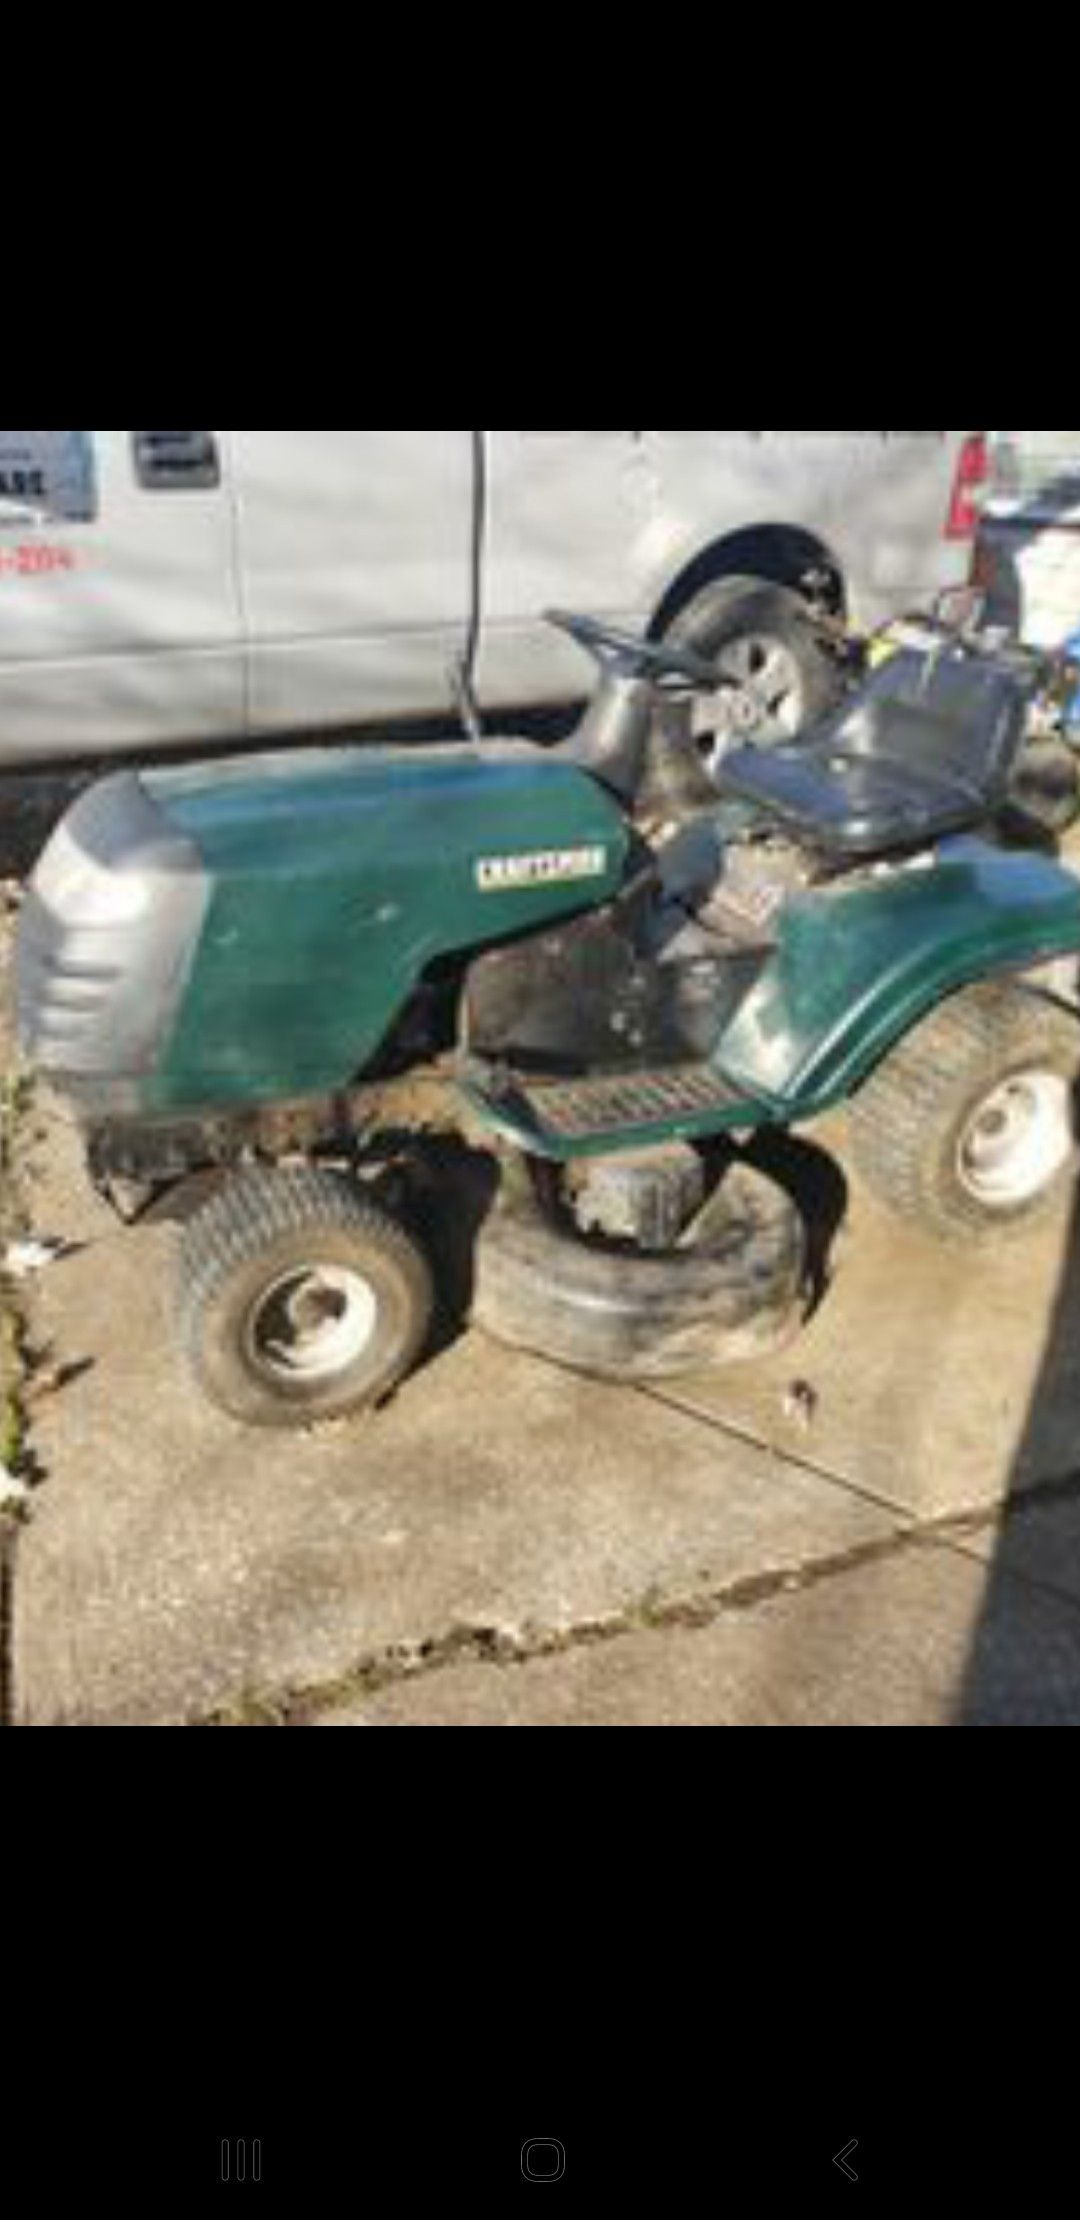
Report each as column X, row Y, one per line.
column 621, row 652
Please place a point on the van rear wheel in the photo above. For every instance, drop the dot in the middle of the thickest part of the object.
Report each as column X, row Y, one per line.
column 299, row 1298
column 761, row 636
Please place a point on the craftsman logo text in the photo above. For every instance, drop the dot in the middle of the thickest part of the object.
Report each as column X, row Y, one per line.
column 553, row 867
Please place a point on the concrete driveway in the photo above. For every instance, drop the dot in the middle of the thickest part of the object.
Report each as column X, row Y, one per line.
column 881, row 1525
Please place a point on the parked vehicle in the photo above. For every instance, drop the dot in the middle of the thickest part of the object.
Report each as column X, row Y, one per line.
column 1028, row 556
column 165, row 591
column 279, row 992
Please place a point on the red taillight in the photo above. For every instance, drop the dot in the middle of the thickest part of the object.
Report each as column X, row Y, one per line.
column 972, row 472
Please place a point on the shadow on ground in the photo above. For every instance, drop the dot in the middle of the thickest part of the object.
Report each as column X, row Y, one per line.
column 1023, row 1666
column 1034, row 1680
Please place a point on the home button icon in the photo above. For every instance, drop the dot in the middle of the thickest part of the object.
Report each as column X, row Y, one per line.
column 543, row 2159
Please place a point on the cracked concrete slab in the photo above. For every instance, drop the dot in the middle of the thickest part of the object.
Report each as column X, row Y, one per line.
column 938, row 1379
column 176, row 1562
column 922, row 1637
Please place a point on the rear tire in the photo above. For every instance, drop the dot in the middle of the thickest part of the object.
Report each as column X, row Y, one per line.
column 299, row 1298
column 1046, row 785
column 761, row 634
column 968, row 1127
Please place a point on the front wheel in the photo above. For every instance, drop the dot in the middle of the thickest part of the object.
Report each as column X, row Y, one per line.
column 299, row 1298
column 969, row 1126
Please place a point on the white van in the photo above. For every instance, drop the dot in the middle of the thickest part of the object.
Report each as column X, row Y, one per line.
column 162, row 590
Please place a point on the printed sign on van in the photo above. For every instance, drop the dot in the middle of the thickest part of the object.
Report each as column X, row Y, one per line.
column 47, row 478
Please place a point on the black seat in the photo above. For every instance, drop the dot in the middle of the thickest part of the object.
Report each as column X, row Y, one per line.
column 926, row 748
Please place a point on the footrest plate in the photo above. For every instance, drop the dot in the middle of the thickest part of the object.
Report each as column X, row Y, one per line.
column 559, row 1117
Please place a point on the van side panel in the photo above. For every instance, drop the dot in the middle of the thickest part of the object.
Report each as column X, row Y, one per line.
column 179, row 588
column 569, row 514
column 878, row 501
column 120, row 625
column 356, row 548
column 355, row 558
column 608, row 522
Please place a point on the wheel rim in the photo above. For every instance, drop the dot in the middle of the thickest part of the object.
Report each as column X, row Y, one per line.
column 766, row 704
column 312, row 1323
column 1016, row 1140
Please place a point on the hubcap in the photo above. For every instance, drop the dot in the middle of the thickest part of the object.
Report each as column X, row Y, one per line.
column 1017, row 1140
column 767, row 703
column 312, row 1322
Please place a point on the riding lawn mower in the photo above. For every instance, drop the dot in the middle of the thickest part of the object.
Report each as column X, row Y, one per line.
column 294, row 998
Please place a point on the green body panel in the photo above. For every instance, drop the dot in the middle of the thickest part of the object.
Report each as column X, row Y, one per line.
column 337, row 878
column 855, row 967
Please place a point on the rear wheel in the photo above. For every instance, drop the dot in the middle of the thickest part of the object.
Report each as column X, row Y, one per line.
column 1046, row 785
column 969, row 1126
column 299, row 1298
column 760, row 635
